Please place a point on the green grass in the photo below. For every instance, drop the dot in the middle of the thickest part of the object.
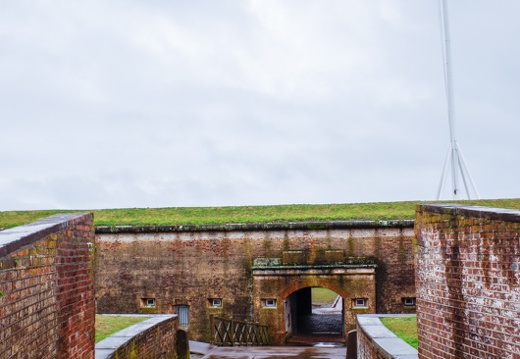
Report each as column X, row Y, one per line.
column 404, row 327
column 108, row 325
column 323, row 295
column 244, row 214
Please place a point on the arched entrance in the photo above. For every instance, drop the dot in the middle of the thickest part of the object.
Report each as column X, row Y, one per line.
column 282, row 294
column 314, row 315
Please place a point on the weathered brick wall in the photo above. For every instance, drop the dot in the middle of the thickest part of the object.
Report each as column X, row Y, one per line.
column 366, row 348
column 47, row 307
column 189, row 266
column 467, row 275
column 151, row 339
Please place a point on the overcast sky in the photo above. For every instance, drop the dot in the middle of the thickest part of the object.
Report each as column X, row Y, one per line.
column 107, row 104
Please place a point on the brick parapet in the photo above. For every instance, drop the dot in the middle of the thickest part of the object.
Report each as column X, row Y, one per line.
column 467, row 279
column 153, row 338
column 375, row 341
column 47, row 307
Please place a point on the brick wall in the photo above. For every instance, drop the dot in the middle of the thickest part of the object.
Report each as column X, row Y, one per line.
column 366, row 348
column 190, row 265
column 151, row 339
column 468, row 275
column 47, row 307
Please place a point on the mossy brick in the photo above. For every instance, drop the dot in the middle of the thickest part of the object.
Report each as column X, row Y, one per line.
column 186, row 266
column 32, row 289
column 490, row 275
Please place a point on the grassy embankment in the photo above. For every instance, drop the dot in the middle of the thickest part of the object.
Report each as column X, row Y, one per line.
column 404, row 327
column 108, row 325
column 323, row 295
column 244, row 214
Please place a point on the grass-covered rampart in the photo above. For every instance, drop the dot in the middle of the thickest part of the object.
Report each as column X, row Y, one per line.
column 244, row 214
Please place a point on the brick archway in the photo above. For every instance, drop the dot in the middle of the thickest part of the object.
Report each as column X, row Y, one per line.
column 273, row 284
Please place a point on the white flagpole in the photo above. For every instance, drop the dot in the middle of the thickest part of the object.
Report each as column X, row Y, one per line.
column 455, row 157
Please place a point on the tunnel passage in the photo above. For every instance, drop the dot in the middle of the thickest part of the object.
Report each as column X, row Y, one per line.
column 314, row 314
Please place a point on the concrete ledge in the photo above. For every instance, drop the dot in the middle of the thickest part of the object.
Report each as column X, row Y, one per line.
column 306, row 225
column 17, row 237
column 510, row 215
column 386, row 343
column 106, row 348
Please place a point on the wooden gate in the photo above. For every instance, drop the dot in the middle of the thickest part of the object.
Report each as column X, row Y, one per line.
column 229, row 332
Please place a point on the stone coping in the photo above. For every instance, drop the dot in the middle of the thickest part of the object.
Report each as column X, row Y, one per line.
column 305, row 225
column 106, row 347
column 14, row 238
column 383, row 338
column 510, row 215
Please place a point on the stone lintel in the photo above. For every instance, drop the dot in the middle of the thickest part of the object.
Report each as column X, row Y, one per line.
column 315, row 271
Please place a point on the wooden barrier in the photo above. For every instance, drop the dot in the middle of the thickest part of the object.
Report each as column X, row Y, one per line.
column 229, row 332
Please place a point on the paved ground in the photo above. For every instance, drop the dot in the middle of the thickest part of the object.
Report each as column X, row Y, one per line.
column 320, row 351
column 310, row 340
column 320, row 324
column 276, row 353
column 324, row 325
column 200, row 347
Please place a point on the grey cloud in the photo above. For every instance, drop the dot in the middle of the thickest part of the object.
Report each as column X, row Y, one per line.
column 174, row 103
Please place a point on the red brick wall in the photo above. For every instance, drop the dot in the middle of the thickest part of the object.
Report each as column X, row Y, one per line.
column 467, row 275
column 366, row 349
column 188, row 266
column 47, row 307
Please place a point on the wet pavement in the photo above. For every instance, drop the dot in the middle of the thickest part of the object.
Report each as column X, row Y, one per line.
column 323, row 329
column 315, row 339
column 276, row 353
column 320, row 324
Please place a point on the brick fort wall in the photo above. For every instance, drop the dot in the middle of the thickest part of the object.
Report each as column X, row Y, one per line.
column 47, row 307
column 468, row 276
column 190, row 266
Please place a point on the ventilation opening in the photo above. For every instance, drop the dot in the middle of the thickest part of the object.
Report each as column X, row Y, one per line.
column 314, row 315
column 148, row 302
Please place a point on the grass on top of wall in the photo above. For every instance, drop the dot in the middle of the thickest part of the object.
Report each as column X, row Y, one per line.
column 245, row 214
column 404, row 327
column 106, row 325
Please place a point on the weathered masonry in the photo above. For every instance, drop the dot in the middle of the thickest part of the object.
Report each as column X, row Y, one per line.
column 255, row 272
column 47, row 307
column 468, row 282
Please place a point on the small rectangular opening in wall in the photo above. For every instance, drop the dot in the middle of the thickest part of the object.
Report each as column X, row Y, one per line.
column 360, row 302
column 269, row 303
column 148, row 302
column 215, row 302
column 409, row 302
